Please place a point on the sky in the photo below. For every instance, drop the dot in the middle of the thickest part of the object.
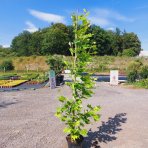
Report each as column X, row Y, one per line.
column 19, row 15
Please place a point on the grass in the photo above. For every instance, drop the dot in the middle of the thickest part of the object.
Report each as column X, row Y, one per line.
column 141, row 84
column 32, row 63
column 99, row 64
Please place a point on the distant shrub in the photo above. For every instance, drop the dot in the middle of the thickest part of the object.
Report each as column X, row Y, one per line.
column 134, row 66
column 56, row 63
column 7, row 65
column 132, row 76
column 133, row 70
column 144, row 72
column 128, row 53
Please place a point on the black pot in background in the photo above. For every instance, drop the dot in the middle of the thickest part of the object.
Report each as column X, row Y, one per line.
column 77, row 144
column 59, row 80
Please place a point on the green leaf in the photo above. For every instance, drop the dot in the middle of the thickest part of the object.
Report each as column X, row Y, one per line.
column 74, row 137
column 89, row 106
column 97, row 108
column 67, row 130
column 83, row 132
column 58, row 115
column 96, row 117
column 77, row 123
column 58, row 109
column 62, row 99
column 64, row 118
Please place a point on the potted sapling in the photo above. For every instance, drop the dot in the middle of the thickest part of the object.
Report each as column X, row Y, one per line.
column 71, row 111
column 57, row 64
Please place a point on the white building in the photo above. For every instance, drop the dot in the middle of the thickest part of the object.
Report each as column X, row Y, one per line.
column 143, row 54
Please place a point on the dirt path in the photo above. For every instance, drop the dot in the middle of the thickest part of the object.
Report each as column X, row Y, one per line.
column 27, row 118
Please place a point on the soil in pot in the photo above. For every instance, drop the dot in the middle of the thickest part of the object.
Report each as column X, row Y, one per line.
column 74, row 144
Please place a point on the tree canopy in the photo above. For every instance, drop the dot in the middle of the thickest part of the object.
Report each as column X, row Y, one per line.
column 55, row 40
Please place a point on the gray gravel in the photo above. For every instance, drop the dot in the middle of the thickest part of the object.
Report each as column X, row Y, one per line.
column 27, row 118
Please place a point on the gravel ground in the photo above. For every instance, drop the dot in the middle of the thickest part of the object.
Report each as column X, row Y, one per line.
column 27, row 118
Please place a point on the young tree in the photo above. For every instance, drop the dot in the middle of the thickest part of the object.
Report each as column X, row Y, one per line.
column 72, row 112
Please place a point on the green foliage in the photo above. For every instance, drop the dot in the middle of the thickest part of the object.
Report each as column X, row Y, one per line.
column 102, row 39
column 133, row 70
column 129, row 53
column 136, row 70
column 7, row 76
column 29, row 76
column 142, row 83
column 72, row 112
column 132, row 76
column 35, row 76
column 144, row 72
column 56, row 63
column 7, row 65
column 134, row 66
column 35, row 43
column 21, row 44
column 6, row 52
column 55, row 38
column 131, row 41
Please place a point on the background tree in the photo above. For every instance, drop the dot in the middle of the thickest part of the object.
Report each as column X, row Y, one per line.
column 5, row 52
column 36, row 43
column 102, row 40
column 21, row 44
column 56, row 40
column 128, row 53
column 131, row 41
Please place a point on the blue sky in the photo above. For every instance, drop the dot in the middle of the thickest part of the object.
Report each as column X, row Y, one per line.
column 19, row 15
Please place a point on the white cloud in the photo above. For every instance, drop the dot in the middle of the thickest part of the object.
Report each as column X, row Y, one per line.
column 99, row 21
column 47, row 17
column 118, row 16
column 106, row 17
column 111, row 29
column 6, row 46
column 31, row 27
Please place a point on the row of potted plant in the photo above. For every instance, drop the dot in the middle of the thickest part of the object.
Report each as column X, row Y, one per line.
column 11, row 83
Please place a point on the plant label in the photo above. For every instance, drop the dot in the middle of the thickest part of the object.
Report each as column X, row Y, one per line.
column 114, row 77
column 52, row 79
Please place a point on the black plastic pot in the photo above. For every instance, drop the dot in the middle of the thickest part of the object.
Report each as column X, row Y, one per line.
column 59, row 80
column 77, row 144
